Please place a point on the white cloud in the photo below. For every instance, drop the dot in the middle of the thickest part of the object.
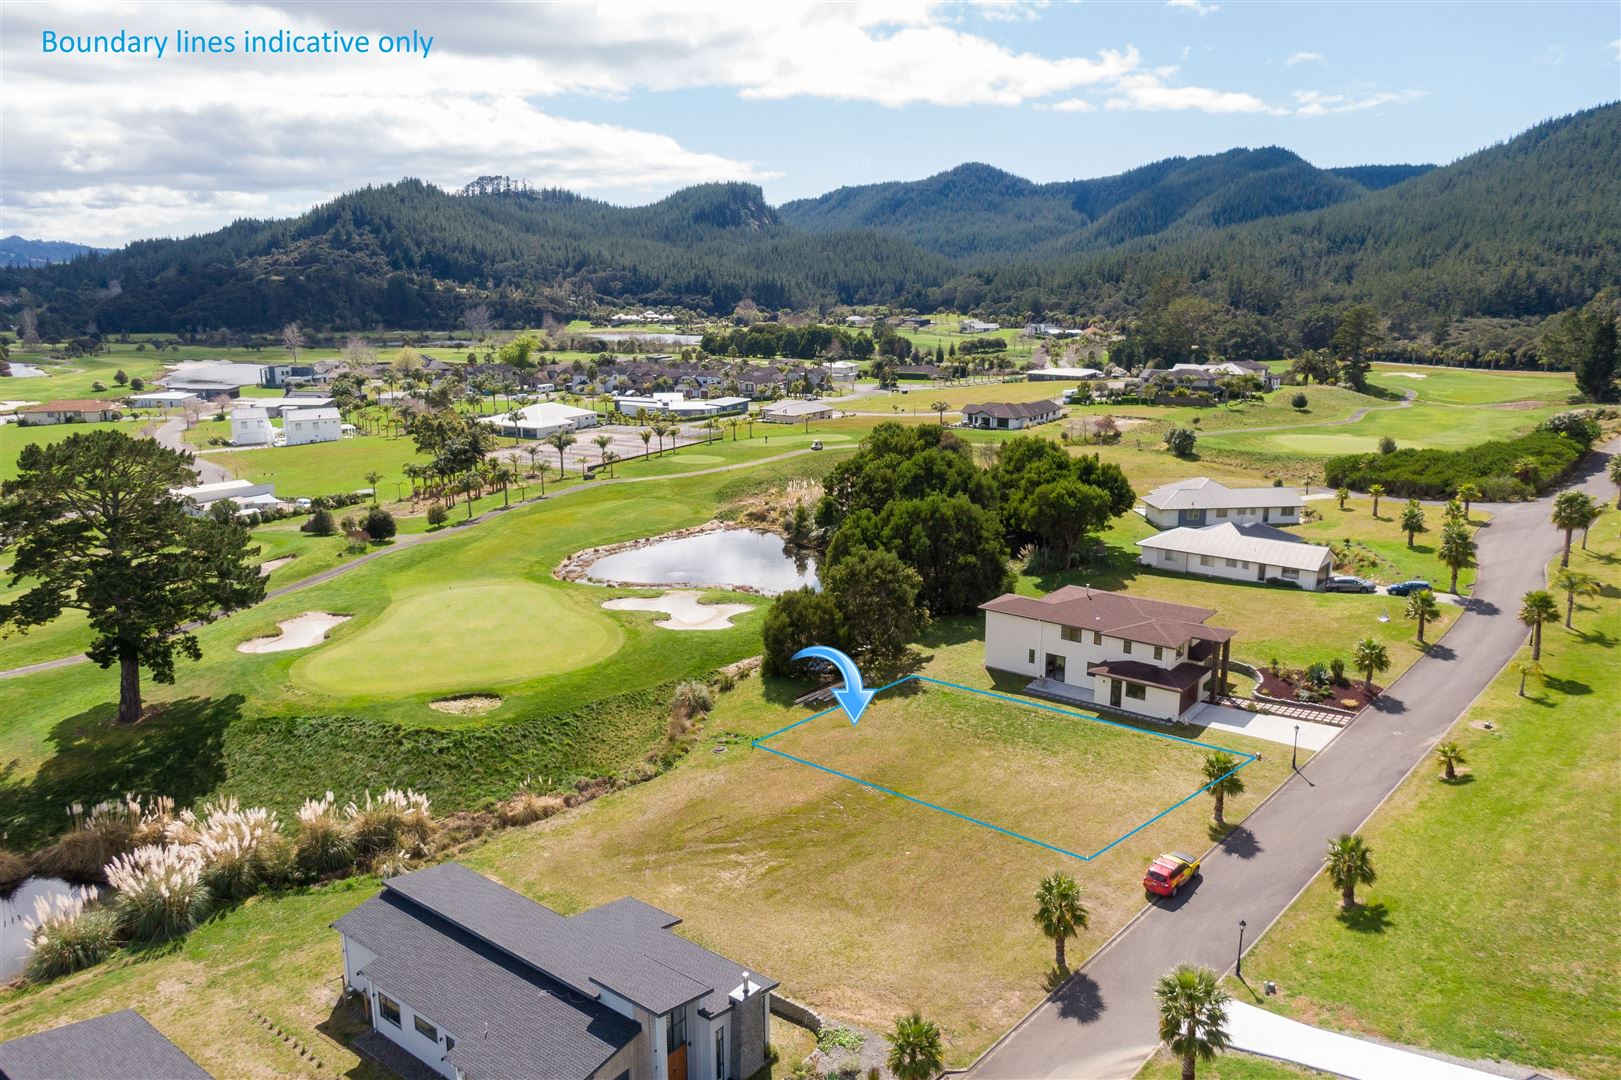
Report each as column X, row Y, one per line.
column 1304, row 58
column 1616, row 45
column 1321, row 103
column 1148, row 91
column 1551, row 55
column 1198, row 7
column 1069, row 105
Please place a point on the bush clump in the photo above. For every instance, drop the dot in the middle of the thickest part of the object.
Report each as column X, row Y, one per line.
column 321, row 523
column 379, row 524
column 160, row 890
column 323, row 843
column 68, row 932
column 437, row 514
column 1501, row 469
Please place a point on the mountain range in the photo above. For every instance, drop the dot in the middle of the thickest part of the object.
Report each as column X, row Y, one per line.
column 15, row 251
column 1525, row 228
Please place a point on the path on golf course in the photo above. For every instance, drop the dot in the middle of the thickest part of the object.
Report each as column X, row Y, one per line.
column 411, row 540
column 1102, row 1024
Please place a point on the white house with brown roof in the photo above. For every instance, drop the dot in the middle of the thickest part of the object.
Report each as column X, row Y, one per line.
column 68, row 411
column 1251, row 552
column 1203, row 501
column 1109, row 650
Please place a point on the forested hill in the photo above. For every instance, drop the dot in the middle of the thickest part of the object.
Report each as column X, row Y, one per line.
column 980, row 213
column 412, row 255
column 1529, row 227
column 15, row 251
column 1525, row 228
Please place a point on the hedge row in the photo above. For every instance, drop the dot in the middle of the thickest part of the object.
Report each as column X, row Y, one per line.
column 1503, row 470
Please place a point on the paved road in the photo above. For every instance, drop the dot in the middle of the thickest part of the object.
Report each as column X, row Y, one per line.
column 172, row 433
column 1102, row 1023
column 410, row 540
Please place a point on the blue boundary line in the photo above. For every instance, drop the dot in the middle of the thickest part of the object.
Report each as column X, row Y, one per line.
column 1247, row 759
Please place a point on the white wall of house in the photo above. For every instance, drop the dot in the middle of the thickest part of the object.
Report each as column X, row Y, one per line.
column 1248, row 515
column 299, row 428
column 1215, row 566
column 252, row 430
column 1156, row 701
column 429, row 1052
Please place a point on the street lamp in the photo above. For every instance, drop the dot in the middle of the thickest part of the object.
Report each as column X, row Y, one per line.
column 1295, row 753
column 1239, row 967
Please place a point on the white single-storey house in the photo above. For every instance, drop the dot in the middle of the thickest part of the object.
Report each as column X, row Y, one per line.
column 1109, row 650
column 794, row 412
column 117, row 1045
column 542, row 419
column 299, row 426
column 1011, row 416
column 975, row 326
column 251, row 427
column 245, row 493
column 68, row 411
column 1239, row 553
column 213, row 378
column 1053, row 373
column 480, row 983
column 284, row 405
column 1203, row 501
column 1207, row 376
column 675, row 405
column 161, row 399
column 858, row 320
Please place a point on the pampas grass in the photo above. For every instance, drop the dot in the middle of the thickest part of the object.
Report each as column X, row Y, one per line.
column 241, row 850
column 68, row 932
column 527, row 807
column 323, row 843
column 160, row 890
column 395, row 820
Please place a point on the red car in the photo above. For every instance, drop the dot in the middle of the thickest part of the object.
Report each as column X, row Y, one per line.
column 1168, row 873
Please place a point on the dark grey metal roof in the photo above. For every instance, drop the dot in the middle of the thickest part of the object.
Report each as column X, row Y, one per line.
column 625, row 947
column 508, row 1019
column 112, row 1047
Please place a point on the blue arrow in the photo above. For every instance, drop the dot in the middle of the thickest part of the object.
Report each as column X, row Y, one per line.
column 854, row 698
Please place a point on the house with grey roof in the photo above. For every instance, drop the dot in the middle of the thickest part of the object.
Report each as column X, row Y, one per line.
column 1011, row 415
column 475, row 981
column 112, row 1047
column 1108, row 650
column 1252, row 552
column 1202, row 501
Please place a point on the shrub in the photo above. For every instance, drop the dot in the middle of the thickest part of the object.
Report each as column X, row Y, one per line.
column 379, row 524
column 68, row 933
column 1337, row 667
column 242, row 850
column 437, row 514
column 1387, row 445
column 13, row 869
column 396, row 820
column 1578, row 425
column 160, row 890
column 110, row 829
column 1299, row 401
column 323, row 843
column 1181, row 441
column 527, row 807
column 320, row 523
column 1512, row 468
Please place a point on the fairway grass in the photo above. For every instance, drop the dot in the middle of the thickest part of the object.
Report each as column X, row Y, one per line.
column 1490, row 932
column 470, row 635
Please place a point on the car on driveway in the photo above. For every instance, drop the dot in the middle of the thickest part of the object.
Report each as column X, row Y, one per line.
column 1402, row 588
column 1169, row 872
column 1344, row 583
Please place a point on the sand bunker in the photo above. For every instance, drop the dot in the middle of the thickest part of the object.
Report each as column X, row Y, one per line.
column 685, row 612
column 1407, row 374
column 467, row 704
column 299, row 632
column 268, row 568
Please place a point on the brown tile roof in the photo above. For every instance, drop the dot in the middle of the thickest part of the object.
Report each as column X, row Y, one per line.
column 74, row 405
column 1154, row 622
column 1178, row 678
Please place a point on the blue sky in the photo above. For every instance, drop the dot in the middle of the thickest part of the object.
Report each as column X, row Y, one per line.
column 628, row 101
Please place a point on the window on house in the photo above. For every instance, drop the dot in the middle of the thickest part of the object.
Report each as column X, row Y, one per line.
column 1231, row 562
column 1126, row 647
column 1221, row 513
column 1136, row 692
column 389, row 1008
column 1159, row 653
column 450, row 1043
column 1097, row 638
column 720, row 1051
column 1168, row 556
column 1069, row 633
column 425, row 1029
column 676, row 1031
column 1290, row 572
column 1032, row 656
column 1206, row 560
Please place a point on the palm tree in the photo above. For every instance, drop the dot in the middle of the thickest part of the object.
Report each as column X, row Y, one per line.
column 609, row 458
column 734, row 423
column 1457, row 549
column 1454, row 511
column 1223, row 781
column 374, row 478
column 1376, row 490
column 1574, row 583
column 1192, row 1015
column 1060, row 913
column 941, row 407
column 560, row 441
column 504, row 474
column 1370, row 657
column 1528, row 669
column 603, row 442
column 660, row 429
column 541, row 469
column 647, row 437
column 1412, row 519
column 1451, row 755
column 915, row 1049
column 1349, row 864
column 1342, row 494
column 1467, row 494
column 534, row 451
column 712, row 426
column 1538, row 608
column 1572, row 510
column 1615, row 476
column 1421, row 607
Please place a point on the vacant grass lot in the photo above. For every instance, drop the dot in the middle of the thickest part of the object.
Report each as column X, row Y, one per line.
column 1491, row 930
column 13, row 437
column 1382, row 541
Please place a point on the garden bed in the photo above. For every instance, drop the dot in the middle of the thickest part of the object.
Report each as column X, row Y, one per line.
column 1353, row 696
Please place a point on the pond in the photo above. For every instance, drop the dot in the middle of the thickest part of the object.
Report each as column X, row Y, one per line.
column 658, row 338
column 27, row 371
column 16, row 906
column 726, row 558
